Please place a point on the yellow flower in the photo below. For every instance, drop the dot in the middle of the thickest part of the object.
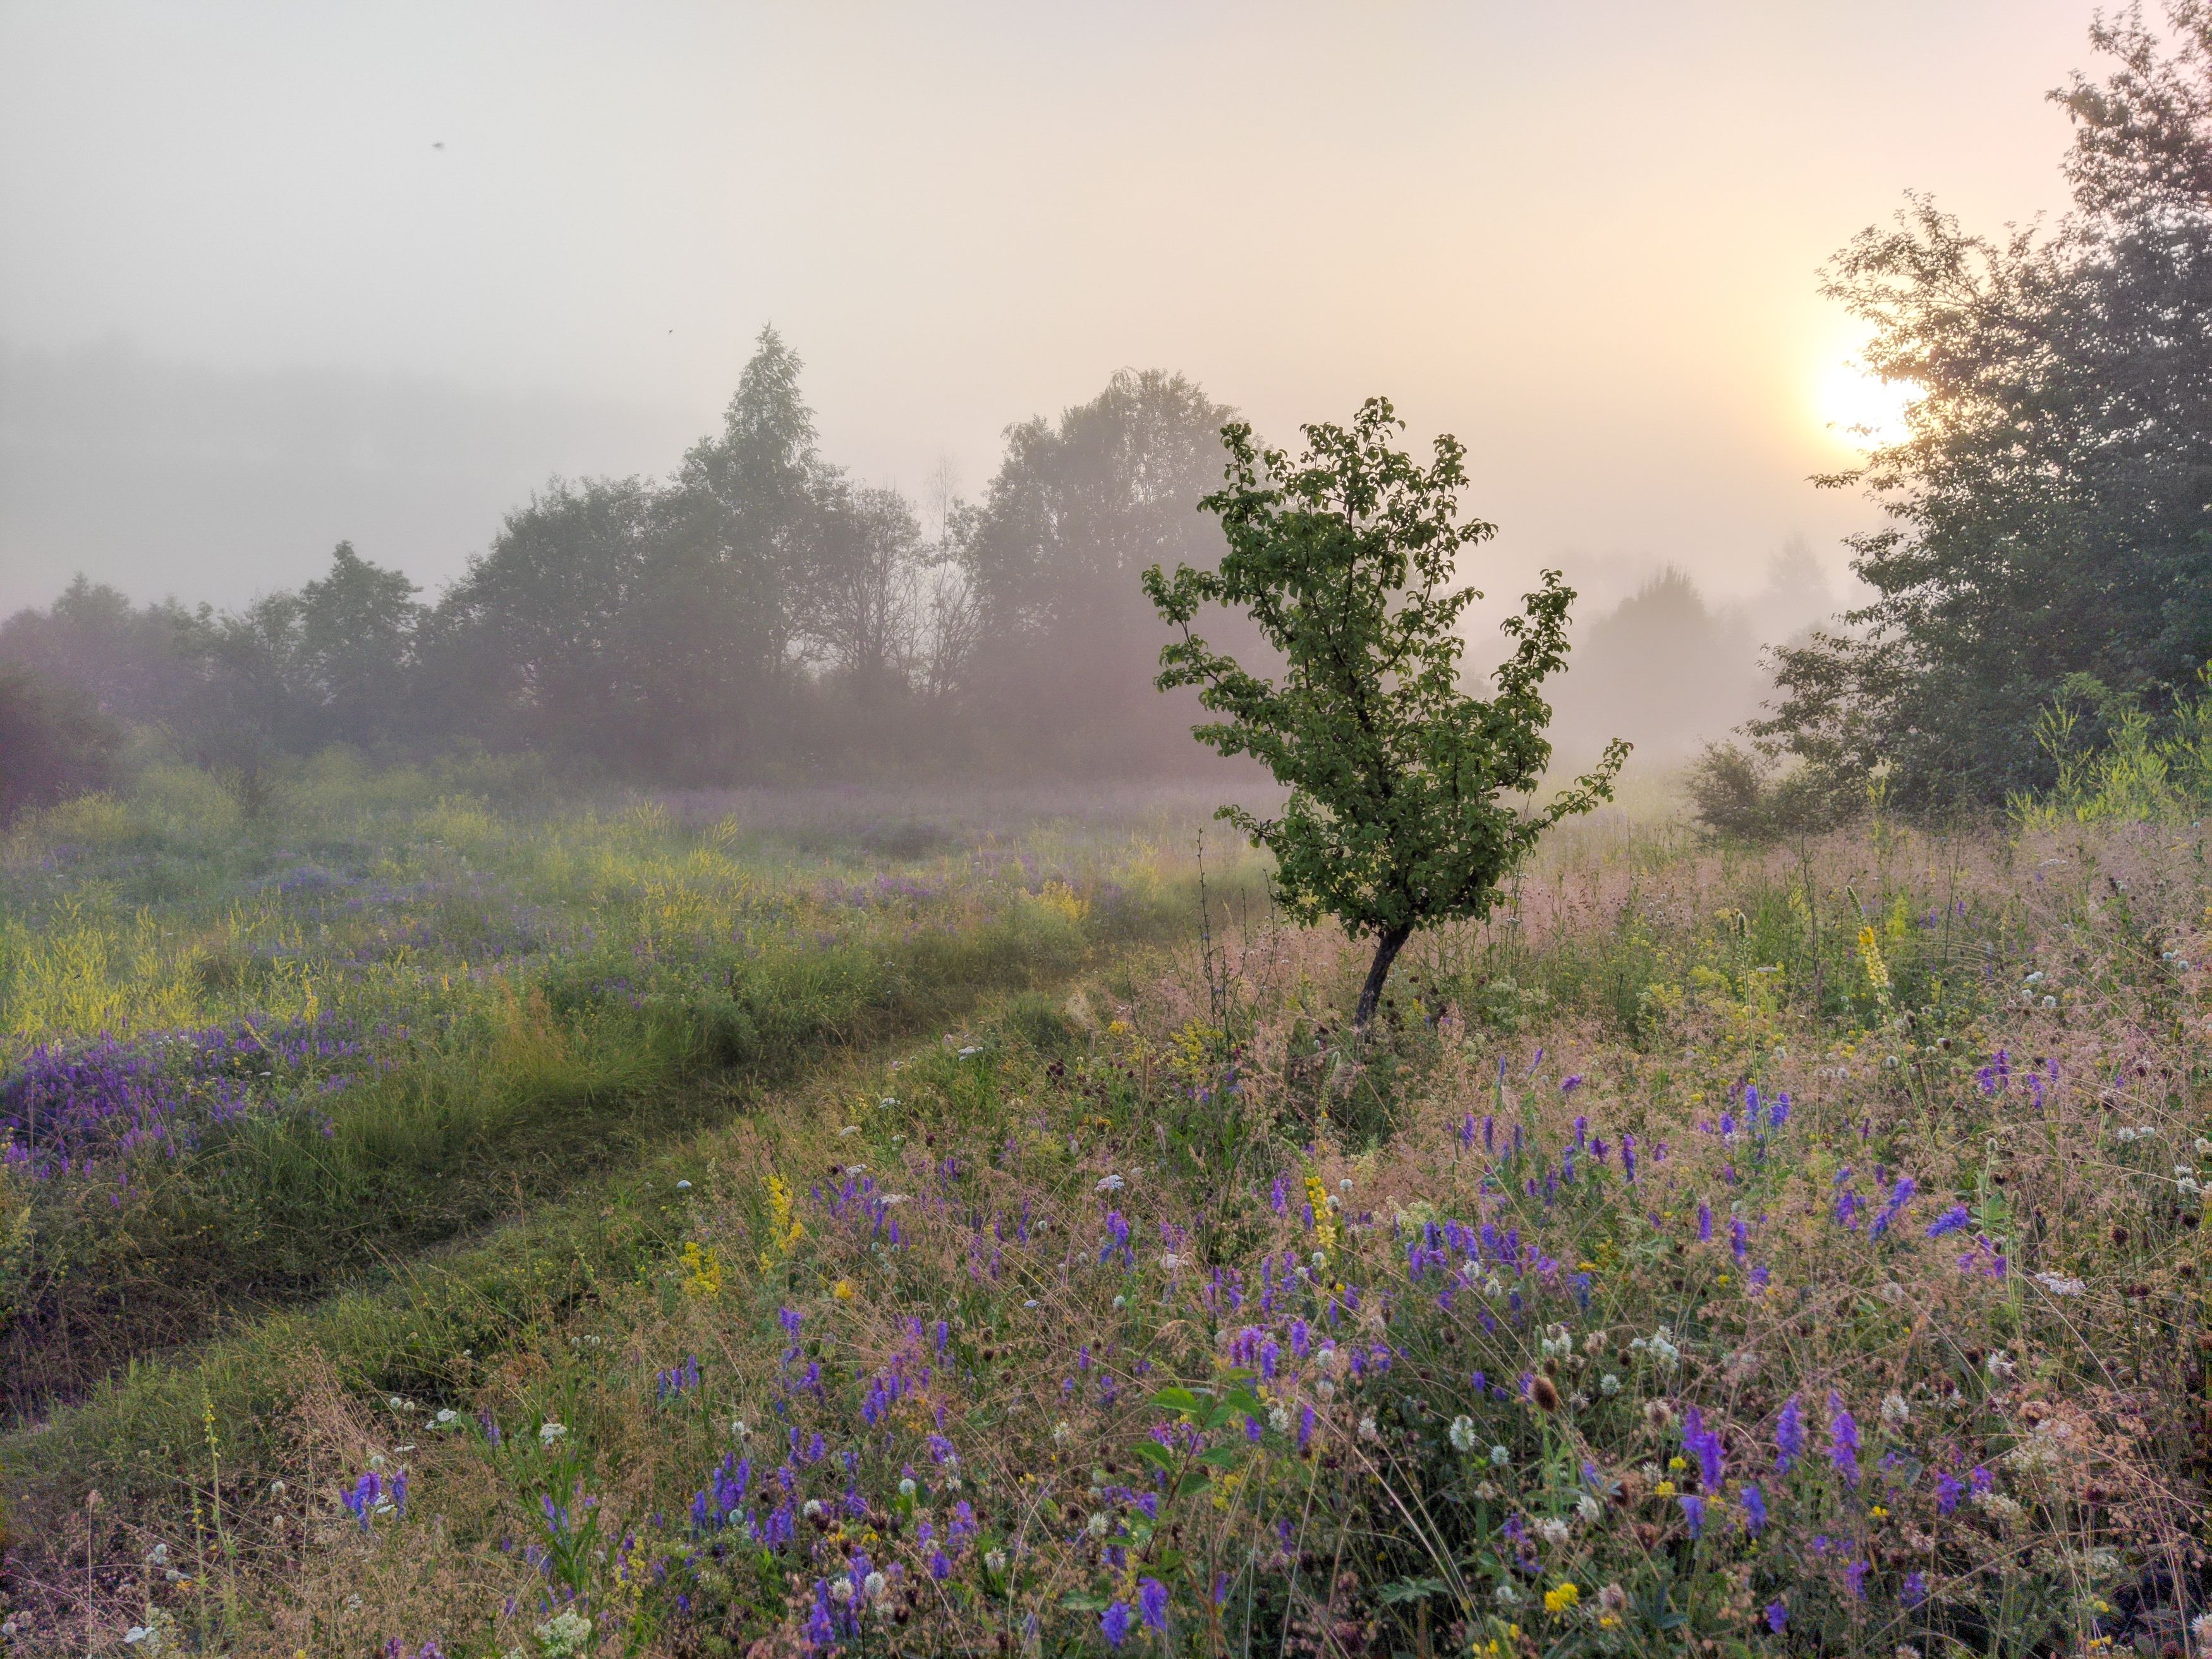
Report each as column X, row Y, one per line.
column 1664, row 1489
column 1678, row 1463
column 1881, row 1513
column 1563, row 1599
column 842, row 1290
column 702, row 1270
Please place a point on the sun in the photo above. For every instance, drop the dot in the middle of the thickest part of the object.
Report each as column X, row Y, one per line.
column 1861, row 410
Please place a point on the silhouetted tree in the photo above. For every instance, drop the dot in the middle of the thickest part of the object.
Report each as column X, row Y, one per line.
column 355, row 647
column 2046, row 507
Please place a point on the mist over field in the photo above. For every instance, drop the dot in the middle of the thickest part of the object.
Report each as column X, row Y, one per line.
column 1171, row 831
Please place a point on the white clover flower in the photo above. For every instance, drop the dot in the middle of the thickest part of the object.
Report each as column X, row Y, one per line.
column 447, row 1414
column 1588, row 1508
column 1505, row 1595
column 145, row 1634
column 2051, row 1002
column 1554, row 1531
column 1170, row 1260
column 1320, row 1259
column 840, row 1589
column 1112, row 1183
column 1998, row 1364
column 1499, row 1457
column 683, row 1186
column 159, row 1555
column 874, row 1585
column 1608, row 1385
column 994, row 1561
column 1096, row 1523
column 1368, row 1431
column 1061, row 1434
column 811, row 1510
column 1280, row 1416
column 277, row 1489
column 1894, row 1412
column 740, row 1429
column 1324, row 1391
column 2057, row 1285
column 549, row 1432
column 1120, row 1301
column 1462, row 1434
column 906, row 1485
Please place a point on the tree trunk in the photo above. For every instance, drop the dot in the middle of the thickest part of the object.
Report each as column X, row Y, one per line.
column 1370, row 994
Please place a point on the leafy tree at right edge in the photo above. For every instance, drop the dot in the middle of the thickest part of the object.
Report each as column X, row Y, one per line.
column 1397, row 817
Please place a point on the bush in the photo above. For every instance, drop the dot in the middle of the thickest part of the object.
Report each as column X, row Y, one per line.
column 1739, row 793
column 54, row 744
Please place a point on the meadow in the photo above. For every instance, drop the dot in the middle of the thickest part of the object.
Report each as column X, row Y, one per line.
column 1714, row 1252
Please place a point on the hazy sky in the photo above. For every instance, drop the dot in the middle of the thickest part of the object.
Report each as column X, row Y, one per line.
column 249, row 306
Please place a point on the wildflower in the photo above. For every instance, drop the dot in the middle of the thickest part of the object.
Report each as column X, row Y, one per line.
column 549, row 1432
column 1693, row 1513
column 1505, row 1595
column 1789, row 1435
column 1114, row 1624
column 1562, row 1599
column 1152, row 1604
column 1553, row 1531
column 1915, row 1590
column 1608, row 1385
column 1111, row 1183
column 1778, row 1617
column 1367, row 1429
column 1462, row 1434
column 994, row 1563
column 1895, row 1413
column 1843, row 1440
column 1499, row 1457
column 1754, row 1510
column 1588, row 1508
column 1954, row 1220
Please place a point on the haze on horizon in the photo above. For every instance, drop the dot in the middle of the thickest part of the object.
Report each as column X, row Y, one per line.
column 273, row 277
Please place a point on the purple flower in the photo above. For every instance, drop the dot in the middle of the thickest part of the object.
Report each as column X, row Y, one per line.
column 1955, row 1219
column 1693, row 1513
column 1789, row 1435
column 1754, row 1510
column 1778, row 1617
column 1842, row 1441
column 1739, row 1237
column 1856, row 1573
column 1704, row 1222
column 1114, row 1624
column 1915, row 1590
column 1569, row 1085
column 1948, row 1490
column 1152, row 1604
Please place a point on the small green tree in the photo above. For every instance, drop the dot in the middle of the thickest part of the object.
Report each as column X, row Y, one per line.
column 1396, row 818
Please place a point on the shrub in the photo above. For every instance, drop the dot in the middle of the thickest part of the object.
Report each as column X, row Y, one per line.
column 54, row 744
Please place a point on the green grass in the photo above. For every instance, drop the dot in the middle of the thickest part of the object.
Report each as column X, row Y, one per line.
column 529, row 999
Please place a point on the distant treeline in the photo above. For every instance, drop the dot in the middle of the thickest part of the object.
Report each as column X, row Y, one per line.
column 758, row 613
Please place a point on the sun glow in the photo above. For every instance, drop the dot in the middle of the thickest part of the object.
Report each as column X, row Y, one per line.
column 1861, row 410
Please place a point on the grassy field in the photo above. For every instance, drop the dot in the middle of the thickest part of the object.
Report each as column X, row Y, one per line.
column 1714, row 1253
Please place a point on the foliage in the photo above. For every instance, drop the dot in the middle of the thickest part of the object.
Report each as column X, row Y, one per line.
column 2045, row 502
column 53, row 743
column 2145, row 768
column 1344, row 562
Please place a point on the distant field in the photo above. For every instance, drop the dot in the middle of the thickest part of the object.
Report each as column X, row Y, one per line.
column 246, row 1055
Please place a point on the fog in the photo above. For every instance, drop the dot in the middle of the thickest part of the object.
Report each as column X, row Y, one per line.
column 274, row 277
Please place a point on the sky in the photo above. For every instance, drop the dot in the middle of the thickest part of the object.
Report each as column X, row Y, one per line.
column 271, row 275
